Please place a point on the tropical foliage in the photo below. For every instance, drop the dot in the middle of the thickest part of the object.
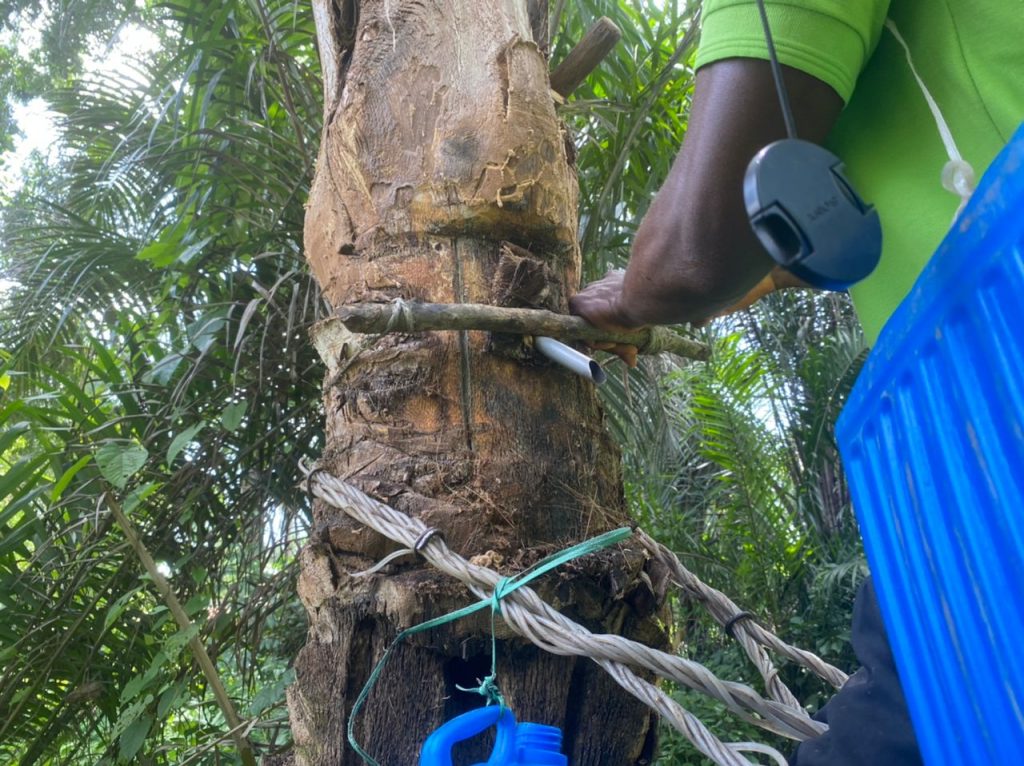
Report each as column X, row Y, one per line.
column 154, row 357
column 157, row 354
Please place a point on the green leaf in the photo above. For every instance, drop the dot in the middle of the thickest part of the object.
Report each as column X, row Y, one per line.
column 170, row 699
column 191, row 251
column 140, row 493
column 62, row 483
column 198, row 574
column 118, row 462
column 204, row 331
column 11, row 435
column 130, row 714
column 177, row 641
column 160, row 254
column 272, row 693
column 117, row 608
column 232, row 416
column 137, row 684
column 196, row 604
column 163, row 369
column 131, row 740
column 179, row 442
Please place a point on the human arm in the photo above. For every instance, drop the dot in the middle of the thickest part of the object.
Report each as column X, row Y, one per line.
column 695, row 253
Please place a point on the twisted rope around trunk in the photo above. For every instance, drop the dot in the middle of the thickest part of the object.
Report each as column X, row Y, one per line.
column 527, row 614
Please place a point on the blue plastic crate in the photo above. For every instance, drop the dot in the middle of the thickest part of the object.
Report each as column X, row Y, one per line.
column 933, row 443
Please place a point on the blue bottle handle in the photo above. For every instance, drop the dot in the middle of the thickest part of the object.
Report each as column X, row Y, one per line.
column 437, row 750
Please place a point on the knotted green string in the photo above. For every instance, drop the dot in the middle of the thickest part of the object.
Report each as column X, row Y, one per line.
column 488, row 686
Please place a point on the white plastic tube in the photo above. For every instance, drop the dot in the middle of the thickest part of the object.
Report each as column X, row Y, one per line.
column 571, row 359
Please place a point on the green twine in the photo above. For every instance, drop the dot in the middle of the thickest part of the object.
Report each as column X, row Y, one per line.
column 488, row 686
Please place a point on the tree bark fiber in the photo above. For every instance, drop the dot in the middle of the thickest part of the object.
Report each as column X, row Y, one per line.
column 443, row 174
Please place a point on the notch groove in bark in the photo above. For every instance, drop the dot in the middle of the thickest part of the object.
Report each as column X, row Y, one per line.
column 465, row 367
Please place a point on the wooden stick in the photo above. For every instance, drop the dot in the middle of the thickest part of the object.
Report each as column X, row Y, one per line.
column 414, row 317
column 584, row 58
column 199, row 653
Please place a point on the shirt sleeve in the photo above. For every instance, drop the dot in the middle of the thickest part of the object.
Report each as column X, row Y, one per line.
column 828, row 39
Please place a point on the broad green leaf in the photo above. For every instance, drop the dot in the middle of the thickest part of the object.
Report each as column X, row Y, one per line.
column 137, row 684
column 191, row 251
column 232, row 416
column 163, row 370
column 179, row 442
column 15, row 542
column 160, row 254
column 204, row 331
column 172, row 697
column 130, row 742
column 196, row 604
column 23, row 472
column 130, row 714
column 118, row 461
column 177, row 641
column 198, row 574
column 271, row 693
column 163, row 251
column 6, row 653
column 167, row 655
column 115, row 610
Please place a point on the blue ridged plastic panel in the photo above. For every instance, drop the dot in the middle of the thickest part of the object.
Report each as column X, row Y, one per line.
column 933, row 443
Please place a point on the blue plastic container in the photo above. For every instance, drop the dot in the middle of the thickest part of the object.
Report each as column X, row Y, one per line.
column 523, row 744
column 933, row 443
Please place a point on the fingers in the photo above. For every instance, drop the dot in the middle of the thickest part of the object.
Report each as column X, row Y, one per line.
column 600, row 303
column 625, row 352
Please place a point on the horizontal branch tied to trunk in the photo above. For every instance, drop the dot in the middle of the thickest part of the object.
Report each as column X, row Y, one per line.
column 413, row 317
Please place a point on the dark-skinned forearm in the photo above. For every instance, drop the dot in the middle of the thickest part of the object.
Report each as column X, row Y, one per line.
column 695, row 252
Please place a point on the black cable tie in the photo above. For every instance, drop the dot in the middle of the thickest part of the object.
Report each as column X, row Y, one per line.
column 731, row 622
column 426, row 537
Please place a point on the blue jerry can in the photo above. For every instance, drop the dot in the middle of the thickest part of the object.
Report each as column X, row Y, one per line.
column 933, row 443
column 517, row 744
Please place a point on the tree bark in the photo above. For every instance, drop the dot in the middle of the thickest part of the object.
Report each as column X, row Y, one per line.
column 444, row 175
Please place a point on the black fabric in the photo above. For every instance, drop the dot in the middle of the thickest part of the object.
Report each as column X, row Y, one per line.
column 868, row 720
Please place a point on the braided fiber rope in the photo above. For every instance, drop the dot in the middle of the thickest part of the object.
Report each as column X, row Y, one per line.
column 750, row 635
column 527, row 614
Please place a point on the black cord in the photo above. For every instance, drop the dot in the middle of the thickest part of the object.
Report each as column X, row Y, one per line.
column 731, row 622
column 780, row 86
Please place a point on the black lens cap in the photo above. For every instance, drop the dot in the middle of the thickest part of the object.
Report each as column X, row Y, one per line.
column 808, row 216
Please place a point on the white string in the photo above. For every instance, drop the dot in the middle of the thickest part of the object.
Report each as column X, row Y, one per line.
column 958, row 176
column 757, row 747
column 384, row 562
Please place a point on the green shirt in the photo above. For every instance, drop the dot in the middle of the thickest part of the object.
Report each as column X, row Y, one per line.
column 970, row 55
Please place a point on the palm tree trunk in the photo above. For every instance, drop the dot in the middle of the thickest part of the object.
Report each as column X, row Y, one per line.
column 444, row 175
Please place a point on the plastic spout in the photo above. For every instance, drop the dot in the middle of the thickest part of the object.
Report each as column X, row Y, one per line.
column 539, row 745
column 571, row 359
